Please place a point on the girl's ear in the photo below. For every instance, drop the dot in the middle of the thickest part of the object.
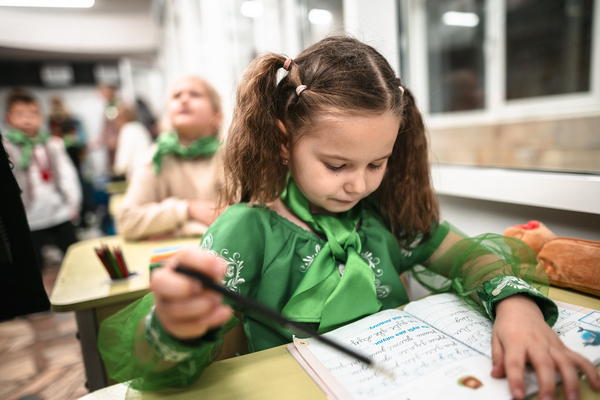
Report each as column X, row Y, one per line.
column 285, row 151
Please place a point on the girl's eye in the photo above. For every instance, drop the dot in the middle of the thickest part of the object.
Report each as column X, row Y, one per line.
column 333, row 167
column 372, row 166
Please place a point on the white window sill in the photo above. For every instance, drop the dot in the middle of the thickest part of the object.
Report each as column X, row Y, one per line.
column 562, row 191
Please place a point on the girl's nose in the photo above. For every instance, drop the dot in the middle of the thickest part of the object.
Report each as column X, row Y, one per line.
column 356, row 183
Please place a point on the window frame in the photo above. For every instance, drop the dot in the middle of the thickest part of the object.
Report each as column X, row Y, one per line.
column 497, row 109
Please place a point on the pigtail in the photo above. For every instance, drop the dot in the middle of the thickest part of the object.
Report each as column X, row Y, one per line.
column 406, row 194
column 254, row 140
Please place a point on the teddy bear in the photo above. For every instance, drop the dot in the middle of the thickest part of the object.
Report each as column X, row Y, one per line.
column 569, row 262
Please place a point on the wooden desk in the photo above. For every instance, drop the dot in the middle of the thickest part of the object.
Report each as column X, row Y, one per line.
column 274, row 374
column 83, row 286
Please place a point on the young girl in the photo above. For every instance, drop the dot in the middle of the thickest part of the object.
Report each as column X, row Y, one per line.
column 174, row 192
column 331, row 165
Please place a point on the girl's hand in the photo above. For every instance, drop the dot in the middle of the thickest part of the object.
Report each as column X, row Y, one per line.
column 185, row 309
column 521, row 336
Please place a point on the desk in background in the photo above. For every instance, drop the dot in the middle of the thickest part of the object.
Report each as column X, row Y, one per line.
column 83, row 286
column 274, row 374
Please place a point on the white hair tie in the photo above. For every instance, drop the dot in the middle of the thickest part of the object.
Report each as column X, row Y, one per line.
column 300, row 89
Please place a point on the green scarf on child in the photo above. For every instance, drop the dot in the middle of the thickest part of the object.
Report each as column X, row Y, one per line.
column 323, row 295
column 168, row 143
column 27, row 142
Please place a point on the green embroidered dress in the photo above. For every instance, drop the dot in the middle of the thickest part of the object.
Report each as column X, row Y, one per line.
column 267, row 257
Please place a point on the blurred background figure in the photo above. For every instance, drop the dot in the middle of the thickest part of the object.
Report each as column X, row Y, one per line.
column 174, row 192
column 146, row 117
column 67, row 126
column 46, row 175
column 109, row 135
column 133, row 143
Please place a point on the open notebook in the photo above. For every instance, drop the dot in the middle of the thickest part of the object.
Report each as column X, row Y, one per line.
column 438, row 347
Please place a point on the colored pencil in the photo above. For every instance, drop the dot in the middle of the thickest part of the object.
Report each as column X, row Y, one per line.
column 121, row 261
column 108, row 269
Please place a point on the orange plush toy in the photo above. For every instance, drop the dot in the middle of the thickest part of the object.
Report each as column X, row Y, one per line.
column 569, row 262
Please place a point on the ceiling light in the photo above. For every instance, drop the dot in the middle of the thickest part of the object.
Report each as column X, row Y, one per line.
column 251, row 9
column 454, row 18
column 48, row 3
column 319, row 17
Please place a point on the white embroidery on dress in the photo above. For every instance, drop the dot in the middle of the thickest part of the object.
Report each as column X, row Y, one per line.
column 232, row 273
column 309, row 259
column 233, row 263
column 512, row 281
column 207, row 242
column 382, row 290
column 503, row 281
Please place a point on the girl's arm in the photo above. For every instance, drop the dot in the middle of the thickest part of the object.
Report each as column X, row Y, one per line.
column 167, row 338
column 503, row 277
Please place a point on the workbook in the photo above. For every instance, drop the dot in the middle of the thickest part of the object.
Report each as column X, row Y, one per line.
column 437, row 347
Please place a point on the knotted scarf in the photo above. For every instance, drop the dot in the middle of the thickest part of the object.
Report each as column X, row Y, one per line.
column 323, row 295
column 27, row 142
column 168, row 143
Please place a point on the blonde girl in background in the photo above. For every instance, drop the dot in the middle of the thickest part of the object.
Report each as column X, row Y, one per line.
column 174, row 192
column 332, row 167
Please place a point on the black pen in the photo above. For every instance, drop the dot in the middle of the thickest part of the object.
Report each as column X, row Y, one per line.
column 275, row 316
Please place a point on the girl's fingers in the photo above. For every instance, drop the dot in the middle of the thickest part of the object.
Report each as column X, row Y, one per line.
column 545, row 370
column 199, row 260
column 570, row 379
column 514, row 365
column 169, row 285
column 581, row 363
column 497, row 357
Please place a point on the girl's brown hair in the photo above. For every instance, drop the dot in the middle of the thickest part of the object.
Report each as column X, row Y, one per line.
column 343, row 77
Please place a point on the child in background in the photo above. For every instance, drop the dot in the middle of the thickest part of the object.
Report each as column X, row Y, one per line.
column 174, row 192
column 48, row 180
column 134, row 142
column 332, row 167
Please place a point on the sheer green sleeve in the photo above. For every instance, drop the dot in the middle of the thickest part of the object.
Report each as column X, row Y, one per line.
column 482, row 270
column 136, row 349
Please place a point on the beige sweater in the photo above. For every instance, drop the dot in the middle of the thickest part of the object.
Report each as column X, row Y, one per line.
column 156, row 205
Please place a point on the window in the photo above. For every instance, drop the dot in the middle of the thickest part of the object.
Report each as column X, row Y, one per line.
column 507, row 83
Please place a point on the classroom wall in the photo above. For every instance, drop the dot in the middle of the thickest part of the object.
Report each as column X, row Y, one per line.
column 474, row 216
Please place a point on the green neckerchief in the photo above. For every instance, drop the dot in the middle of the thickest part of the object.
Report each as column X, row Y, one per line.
column 323, row 296
column 168, row 143
column 27, row 142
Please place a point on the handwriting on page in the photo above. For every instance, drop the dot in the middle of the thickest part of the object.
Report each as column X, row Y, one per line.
column 397, row 342
column 450, row 314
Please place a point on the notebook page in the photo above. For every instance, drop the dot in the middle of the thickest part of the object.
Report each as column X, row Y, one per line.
column 447, row 312
column 416, row 353
column 451, row 315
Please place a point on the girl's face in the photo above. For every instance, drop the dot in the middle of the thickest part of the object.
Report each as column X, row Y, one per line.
column 190, row 110
column 342, row 160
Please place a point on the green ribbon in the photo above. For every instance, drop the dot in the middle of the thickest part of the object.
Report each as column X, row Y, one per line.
column 323, row 295
column 168, row 143
column 27, row 142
